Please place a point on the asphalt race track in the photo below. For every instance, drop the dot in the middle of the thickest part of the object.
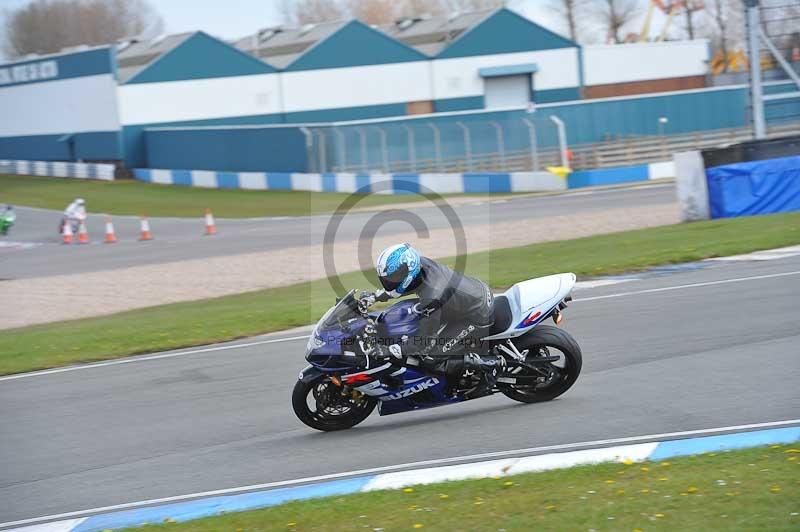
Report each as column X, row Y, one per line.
column 180, row 238
column 718, row 347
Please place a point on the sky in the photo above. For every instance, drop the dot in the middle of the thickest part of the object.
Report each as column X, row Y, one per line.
column 237, row 18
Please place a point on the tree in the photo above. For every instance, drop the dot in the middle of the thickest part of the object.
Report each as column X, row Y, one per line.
column 614, row 15
column 727, row 33
column 567, row 11
column 373, row 11
column 299, row 12
column 690, row 7
column 48, row 26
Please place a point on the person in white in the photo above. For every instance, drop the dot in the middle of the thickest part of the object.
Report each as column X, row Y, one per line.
column 75, row 212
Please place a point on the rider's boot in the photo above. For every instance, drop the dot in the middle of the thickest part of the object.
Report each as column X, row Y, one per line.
column 488, row 367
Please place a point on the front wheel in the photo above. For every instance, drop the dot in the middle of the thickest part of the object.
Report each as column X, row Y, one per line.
column 555, row 377
column 321, row 405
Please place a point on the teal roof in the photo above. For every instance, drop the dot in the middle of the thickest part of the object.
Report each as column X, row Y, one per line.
column 504, row 32
column 200, row 56
column 354, row 44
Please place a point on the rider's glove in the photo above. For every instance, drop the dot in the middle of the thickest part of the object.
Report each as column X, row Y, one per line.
column 365, row 301
column 382, row 296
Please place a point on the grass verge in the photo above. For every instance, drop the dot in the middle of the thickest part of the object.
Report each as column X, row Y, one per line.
column 135, row 197
column 753, row 489
column 226, row 318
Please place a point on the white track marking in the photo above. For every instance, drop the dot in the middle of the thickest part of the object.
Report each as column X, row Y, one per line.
column 119, row 361
column 596, row 283
column 692, row 285
column 131, row 360
column 410, row 465
column 768, row 254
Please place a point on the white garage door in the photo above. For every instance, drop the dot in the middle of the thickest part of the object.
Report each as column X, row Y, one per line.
column 507, row 91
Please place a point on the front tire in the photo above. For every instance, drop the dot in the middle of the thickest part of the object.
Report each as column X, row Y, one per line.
column 549, row 340
column 328, row 409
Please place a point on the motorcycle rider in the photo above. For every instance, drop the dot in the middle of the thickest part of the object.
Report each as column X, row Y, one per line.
column 457, row 311
column 75, row 212
column 7, row 218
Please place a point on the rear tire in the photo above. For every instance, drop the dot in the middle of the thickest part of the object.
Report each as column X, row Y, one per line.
column 355, row 411
column 547, row 336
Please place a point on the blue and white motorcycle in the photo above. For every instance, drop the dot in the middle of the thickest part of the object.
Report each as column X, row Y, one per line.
column 343, row 384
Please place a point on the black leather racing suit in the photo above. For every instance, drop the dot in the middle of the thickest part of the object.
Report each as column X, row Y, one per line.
column 458, row 312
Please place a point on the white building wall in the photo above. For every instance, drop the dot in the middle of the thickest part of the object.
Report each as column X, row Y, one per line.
column 199, row 99
column 458, row 77
column 621, row 63
column 336, row 88
column 73, row 105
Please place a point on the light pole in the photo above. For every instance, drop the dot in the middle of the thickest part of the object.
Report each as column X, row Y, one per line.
column 662, row 123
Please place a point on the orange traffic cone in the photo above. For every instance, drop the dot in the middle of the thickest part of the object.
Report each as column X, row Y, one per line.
column 83, row 234
column 145, row 232
column 111, row 237
column 66, row 233
column 211, row 229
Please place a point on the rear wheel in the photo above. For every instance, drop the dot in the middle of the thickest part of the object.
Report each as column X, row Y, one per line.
column 321, row 405
column 555, row 377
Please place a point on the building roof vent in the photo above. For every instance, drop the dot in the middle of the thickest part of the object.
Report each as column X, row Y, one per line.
column 406, row 23
column 306, row 28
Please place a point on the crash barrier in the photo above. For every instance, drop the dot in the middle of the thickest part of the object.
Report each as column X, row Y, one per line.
column 58, row 169
column 362, row 183
column 758, row 177
column 627, row 451
column 625, row 174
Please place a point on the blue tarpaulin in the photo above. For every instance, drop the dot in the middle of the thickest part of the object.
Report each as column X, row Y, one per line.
column 756, row 187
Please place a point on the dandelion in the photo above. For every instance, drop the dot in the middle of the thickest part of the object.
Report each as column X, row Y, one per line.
column 662, row 479
column 775, row 489
column 659, row 515
column 443, row 496
column 775, row 447
column 627, row 461
column 408, row 490
column 478, row 503
column 288, row 524
column 610, row 481
column 620, row 492
column 792, row 459
column 644, row 469
column 550, row 507
column 692, row 489
column 508, row 483
column 418, row 525
column 412, row 507
column 665, row 464
column 790, row 451
column 645, row 490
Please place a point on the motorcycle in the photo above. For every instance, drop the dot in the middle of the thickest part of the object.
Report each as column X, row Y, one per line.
column 7, row 219
column 343, row 383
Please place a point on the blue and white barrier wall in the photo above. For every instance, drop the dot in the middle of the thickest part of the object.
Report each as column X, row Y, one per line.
column 752, row 178
column 58, row 169
column 626, row 174
column 405, row 183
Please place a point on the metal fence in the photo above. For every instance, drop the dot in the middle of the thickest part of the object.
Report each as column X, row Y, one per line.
column 466, row 145
column 512, row 145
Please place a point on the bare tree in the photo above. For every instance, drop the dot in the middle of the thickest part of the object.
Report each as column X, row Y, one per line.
column 298, row 12
column 47, row 26
column 726, row 30
column 567, row 11
column 373, row 11
column 690, row 8
column 615, row 15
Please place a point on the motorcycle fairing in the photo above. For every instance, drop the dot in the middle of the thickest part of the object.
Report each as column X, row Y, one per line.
column 532, row 301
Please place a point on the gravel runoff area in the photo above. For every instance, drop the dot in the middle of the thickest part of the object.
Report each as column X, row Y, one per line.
column 73, row 296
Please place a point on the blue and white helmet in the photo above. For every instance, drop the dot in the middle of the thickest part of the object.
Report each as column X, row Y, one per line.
column 398, row 266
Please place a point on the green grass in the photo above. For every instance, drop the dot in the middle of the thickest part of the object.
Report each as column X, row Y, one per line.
column 138, row 198
column 754, row 489
column 226, row 318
